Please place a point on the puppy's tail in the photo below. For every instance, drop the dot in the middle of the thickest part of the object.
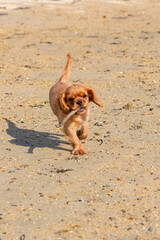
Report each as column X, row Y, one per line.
column 67, row 69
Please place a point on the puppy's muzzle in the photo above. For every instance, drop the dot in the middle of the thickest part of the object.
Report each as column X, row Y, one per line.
column 79, row 103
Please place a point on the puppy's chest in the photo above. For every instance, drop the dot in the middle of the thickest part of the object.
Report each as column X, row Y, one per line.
column 80, row 119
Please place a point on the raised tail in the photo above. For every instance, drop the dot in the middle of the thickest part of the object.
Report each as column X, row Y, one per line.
column 67, row 69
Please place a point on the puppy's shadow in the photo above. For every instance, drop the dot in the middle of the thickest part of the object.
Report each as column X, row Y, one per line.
column 34, row 139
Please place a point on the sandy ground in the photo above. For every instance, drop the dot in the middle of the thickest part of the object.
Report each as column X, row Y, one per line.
column 113, row 192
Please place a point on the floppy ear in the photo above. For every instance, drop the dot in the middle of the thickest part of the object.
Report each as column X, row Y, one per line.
column 92, row 97
column 63, row 103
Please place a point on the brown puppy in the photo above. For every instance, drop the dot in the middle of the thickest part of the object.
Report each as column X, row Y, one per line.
column 63, row 100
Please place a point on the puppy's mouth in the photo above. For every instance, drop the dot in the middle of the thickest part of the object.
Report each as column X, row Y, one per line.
column 81, row 110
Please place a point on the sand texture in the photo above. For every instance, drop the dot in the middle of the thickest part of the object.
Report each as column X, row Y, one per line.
column 112, row 192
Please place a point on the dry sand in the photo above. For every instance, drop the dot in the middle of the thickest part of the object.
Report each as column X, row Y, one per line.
column 113, row 192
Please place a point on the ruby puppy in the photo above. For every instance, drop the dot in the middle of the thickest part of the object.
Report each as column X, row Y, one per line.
column 70, row 105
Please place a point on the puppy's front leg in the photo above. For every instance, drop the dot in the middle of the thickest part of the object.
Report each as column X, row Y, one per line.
column 71, row 135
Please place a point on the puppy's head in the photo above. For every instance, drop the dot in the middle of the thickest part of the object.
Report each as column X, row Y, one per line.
column 77, row 96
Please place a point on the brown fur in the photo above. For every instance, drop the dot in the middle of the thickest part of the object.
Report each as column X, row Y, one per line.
column 64, row 99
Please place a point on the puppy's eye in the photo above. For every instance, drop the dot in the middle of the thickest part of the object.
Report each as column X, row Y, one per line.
column 71, row 99
column 84, row 95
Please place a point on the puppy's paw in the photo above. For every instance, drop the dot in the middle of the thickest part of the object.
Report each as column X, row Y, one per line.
column 79, row 152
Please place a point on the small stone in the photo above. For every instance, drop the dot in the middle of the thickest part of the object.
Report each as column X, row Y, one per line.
column 97, row 133
column 150, row 229
column 120, row 179
column 128, row 106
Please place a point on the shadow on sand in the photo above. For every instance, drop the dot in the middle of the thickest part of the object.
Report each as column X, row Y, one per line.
column 34, row 139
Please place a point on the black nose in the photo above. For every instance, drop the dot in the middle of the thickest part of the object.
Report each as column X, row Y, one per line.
column 79, row 102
